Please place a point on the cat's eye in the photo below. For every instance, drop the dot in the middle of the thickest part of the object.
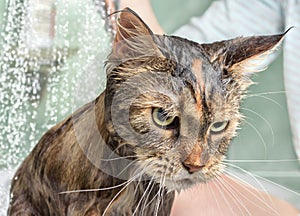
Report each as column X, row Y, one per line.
column 218, row 127
column 162, row 119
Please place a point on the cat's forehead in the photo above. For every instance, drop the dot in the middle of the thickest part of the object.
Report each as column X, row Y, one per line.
column 201, row 79
column 193, row 67
column 180, row 49
column 190, row 58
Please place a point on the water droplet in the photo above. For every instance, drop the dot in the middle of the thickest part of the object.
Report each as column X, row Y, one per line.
column 49, row 66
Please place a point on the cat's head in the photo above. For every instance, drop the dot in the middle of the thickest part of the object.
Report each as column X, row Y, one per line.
column 173, row 103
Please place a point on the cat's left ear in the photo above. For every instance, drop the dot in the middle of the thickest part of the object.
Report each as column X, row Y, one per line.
column 130, row 25
column 237, row 55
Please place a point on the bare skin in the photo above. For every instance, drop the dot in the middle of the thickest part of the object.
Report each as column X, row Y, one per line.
column 242, row 200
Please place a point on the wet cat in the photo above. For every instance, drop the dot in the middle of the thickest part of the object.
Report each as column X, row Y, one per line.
column 163, row 123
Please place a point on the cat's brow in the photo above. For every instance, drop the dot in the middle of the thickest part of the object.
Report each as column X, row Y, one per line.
column 197, row 71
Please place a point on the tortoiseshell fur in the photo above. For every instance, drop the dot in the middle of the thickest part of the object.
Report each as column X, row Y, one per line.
column 198, row 84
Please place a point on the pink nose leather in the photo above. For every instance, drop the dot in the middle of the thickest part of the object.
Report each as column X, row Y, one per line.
column 192, row 168
column 193, row 162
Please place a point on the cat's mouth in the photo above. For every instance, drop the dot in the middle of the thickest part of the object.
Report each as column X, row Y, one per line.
column 184, row 183
column 185, row 180
column 173, row 175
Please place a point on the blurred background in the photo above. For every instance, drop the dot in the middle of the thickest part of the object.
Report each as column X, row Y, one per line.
column 52, row 55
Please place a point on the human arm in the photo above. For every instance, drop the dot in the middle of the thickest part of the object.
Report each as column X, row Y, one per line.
column 228, row 196
column 225, row 19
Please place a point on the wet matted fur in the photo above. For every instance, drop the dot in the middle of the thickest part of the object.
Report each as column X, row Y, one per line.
column 163, row 123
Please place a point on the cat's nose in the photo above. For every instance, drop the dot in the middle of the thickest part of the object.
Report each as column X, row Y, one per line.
column 194, row 161
column 192, row 168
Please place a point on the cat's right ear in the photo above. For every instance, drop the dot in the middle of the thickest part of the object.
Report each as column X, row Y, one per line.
column 133, row 37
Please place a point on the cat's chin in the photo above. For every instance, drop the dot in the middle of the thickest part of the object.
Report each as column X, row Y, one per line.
column 182, row 184
column 185, row 180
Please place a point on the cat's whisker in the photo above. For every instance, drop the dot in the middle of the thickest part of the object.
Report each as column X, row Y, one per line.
column 224, row 197
column 235, row 196
column 101, row 189
column 117, row 194
column 246, row 172
column 159, row 196
column 262, row 195
column 269, row 99
column 125, row 168
column 231, row 192
column 264, row 205
column 145, row 192
column 256, row 177
column 152, row 183
column 163, row 187
column 214, row 195
column 118, row 158
column 154, row 197
column 255, row 197
column 137, row 192
column 262, row 160
column 140, row 173
column 265, row 120
column 145, row 205
column 259, row 134
column 114, row 151
column 266, row 93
